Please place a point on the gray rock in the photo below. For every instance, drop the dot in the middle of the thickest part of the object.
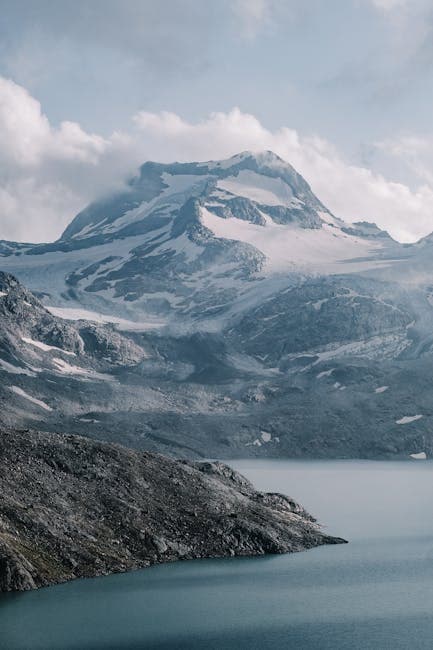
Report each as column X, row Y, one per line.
column 71, row 507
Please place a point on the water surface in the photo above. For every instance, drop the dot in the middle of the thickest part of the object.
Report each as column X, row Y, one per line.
column 376, row 592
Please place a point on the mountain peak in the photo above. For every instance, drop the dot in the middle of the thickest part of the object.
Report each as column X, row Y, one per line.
column 261, row 157
column 160, row 189
column 264, row 156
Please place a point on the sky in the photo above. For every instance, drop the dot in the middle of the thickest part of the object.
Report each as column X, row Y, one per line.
column 341, row 89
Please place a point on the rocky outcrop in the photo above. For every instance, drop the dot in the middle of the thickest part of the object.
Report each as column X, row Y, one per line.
column 71, row 507
column 103, row 342
column 22, row 314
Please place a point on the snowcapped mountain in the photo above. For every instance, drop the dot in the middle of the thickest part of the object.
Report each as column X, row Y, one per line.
column 184, row 239
column 246, row 319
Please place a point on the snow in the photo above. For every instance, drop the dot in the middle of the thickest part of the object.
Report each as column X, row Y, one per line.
column 419, row 456
column 45, row 347
column 257, row 187
column 74, row 313
column 3, row 294
column 266, row 437
column 16, row 370
column 382, row 346
column 179, row 187
column 86, row 230
column 68, row 369
column 381, row 389
column 330, row 219
column 228, row 162
column 19, row 391
column 291, row 248
column 179, row 245
column 49, row 270
column 255, row 443
column 325, row 373
column 318, row 304
column 407, row 419
column 178, row 183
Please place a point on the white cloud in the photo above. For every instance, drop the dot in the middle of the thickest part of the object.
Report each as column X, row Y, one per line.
column 27, row 138
column 413, row 153
column 48, row 174
column 352, row 192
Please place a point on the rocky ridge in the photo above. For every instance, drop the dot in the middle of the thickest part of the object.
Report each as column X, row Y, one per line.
column 72, row 508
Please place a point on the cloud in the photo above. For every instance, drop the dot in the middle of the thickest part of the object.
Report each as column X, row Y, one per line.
column 156, row 37
column 27, row 138
column 48, row 173
column 352, row 192
column 413, row 152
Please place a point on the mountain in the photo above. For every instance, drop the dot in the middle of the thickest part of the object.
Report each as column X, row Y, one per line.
column 120, row 510
column 241, row 315
column 46, row 363
column 184, row 240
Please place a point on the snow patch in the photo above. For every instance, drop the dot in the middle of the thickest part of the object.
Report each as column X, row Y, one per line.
column 325, row 373
column 45, row 347
column 291, row 248
column 16, row 370
column 257, row 187
column 178, row 188
column 68, row 369
column 255, row 443
column 71, row 313
column 19, row 391
column 318, row 304
column 229, row 162
column 407, row 419
column 381, row 389
column 419, row 456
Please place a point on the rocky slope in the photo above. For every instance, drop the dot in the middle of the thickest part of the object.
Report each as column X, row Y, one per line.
column 70, row 508
column 47, row 362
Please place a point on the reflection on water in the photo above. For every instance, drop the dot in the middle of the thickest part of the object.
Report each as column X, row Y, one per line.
column 376, row 592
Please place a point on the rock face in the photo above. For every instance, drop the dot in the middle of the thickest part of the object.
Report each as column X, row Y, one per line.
column 70, row 508
column 46, row 362
column 23, row 315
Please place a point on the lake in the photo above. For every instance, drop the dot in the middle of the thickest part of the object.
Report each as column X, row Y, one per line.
column 375, row 592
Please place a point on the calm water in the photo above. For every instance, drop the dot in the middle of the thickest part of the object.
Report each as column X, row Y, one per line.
column 376, row 592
